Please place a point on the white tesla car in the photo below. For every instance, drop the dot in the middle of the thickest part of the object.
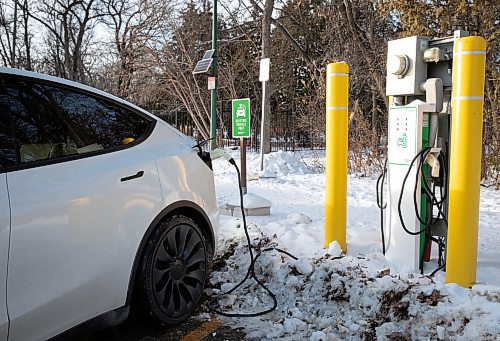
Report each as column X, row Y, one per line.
column 104, row 208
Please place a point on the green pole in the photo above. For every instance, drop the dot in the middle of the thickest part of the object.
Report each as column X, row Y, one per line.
column 213, row 92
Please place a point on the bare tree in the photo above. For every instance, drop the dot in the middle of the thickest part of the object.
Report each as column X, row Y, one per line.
column 28, row 64
column 135, row 25
column 15, row 35
column 176, row 56
column 185, row 87
column 69, row 25
column 8, row 35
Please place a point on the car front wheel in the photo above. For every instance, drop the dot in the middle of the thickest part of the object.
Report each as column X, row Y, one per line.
column 173, row 270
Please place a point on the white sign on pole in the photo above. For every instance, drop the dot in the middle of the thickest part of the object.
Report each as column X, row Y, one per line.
column 264, row 70
column 211, row 83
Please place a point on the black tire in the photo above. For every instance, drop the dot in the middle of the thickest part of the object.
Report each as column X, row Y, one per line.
column 174, row 268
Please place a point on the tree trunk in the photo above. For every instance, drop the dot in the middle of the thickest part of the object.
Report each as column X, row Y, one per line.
column 266, row 40
column 27, row 42
column 14, row 38
column 375, row 137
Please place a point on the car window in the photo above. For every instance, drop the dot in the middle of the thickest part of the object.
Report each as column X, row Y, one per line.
column 7, row 152
column 51, row 122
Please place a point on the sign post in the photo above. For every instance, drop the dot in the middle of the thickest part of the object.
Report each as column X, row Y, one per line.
column 263, row 77
column 241, row 130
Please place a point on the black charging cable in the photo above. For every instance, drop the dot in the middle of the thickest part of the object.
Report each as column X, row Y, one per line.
column 431, row 197
column 419, row 155
column 380, row 202
column 436, row 270
column 253, row 259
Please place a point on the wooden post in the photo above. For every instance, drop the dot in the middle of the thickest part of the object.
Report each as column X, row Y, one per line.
column 243, row 165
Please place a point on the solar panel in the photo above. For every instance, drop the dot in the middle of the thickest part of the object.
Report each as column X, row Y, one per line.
column 208, row 54
column 202, row 66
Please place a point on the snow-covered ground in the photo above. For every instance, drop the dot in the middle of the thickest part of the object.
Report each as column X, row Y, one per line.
column 322, row 296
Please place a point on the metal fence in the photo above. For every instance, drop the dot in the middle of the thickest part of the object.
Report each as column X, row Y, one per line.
column 285, row 131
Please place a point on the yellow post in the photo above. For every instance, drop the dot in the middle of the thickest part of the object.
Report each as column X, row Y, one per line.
column 469, row 59
column 337, row 88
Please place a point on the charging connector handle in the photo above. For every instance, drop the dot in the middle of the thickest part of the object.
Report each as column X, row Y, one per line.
column 218, row 153
column 432, row 159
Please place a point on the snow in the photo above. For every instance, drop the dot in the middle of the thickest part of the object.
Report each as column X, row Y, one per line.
column 266, row 173
column 250, row 200
column 325, row 295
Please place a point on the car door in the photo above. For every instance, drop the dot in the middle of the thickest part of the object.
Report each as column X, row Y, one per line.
column 7, row 158
column 4, row 249
column 81, row 200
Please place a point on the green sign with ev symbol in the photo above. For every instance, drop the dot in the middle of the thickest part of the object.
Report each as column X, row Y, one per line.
column 241, row 117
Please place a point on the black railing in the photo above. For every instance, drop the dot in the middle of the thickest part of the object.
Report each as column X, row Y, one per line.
column 285, row 133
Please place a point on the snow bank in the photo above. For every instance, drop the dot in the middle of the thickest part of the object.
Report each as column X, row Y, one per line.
column 279, row 163
column 350, row 298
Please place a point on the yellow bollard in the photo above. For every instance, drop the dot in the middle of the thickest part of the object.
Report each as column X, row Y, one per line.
column 469, row 59
column 337, row 88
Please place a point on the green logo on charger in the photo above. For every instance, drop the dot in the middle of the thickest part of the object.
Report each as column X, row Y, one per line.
column 403, row 141
column 241, row 117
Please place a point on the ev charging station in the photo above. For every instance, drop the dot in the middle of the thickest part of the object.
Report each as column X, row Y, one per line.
column 420, row 73
column 419, row 85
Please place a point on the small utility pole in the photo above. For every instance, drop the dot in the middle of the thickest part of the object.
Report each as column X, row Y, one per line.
column 264, row 77
column 265, row 143
column 213, row 92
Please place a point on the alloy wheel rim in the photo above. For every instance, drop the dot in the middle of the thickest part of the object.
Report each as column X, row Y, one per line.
column 179, row 269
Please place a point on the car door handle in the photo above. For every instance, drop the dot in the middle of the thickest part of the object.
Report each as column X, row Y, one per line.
column 132, row 177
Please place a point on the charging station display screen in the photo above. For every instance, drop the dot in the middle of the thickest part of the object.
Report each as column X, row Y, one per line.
column 241, row 117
